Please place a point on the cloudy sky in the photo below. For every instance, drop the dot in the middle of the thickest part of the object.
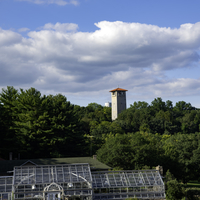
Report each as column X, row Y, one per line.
column 84, row 48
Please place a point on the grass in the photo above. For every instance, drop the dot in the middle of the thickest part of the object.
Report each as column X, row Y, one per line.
column 193, row 184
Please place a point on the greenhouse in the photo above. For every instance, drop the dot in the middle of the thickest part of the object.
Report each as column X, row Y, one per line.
column 143, row 184
column 76, row 181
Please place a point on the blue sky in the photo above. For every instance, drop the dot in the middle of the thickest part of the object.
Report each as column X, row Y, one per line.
column 84, row 48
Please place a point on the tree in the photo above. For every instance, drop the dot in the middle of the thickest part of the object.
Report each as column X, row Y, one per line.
column 175, row 191
column 169, row 176
column 100, row 131
column 169, row 105
column 68, row 139
column 134, row 118
column 139, row 105
column 9, row 142
column 157, row 104
column 3, row 133
column 131, row 151
column 182, row 155
column 182, row 105
column 28, row 123
column 116, row 152
column 41, row 126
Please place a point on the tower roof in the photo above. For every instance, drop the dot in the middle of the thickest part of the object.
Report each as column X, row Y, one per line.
column 118, row 89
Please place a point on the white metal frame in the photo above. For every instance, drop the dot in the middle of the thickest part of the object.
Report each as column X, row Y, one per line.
column 37, row 182
column 143, row 184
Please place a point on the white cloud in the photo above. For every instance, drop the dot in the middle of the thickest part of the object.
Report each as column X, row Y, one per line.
column 23, row 29
column 61, row 27
column 58, row 2
column 8, row 37
column 135, row 56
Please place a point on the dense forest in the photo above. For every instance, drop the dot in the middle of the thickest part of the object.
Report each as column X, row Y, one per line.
column 144, row 136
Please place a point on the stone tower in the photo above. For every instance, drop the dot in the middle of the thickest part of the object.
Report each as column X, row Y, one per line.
column 118, row 97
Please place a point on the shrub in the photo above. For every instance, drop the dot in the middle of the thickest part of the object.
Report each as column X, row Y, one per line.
column 174, row 191
column 192, row 193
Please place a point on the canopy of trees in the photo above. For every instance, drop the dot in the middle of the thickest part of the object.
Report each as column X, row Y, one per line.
column 39, row 126
column 160, row 117
column 179, row 153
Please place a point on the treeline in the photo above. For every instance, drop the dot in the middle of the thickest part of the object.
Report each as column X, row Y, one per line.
column 179, row 153
column 36, row 126
column 161, row 117
column 39, row 126
column 156, row 134
column 143, row 136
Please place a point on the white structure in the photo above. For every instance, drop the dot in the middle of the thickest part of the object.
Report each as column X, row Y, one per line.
column 108, row 104
column 76, row 181
column 118, row 97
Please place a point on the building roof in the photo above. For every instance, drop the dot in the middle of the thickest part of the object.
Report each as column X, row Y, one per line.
column 46, row 174
column 8, row 165
column 118, row 89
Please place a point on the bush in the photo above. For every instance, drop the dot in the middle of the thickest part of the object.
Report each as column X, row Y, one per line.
column 169, row 176
column 174, row 191
column 192, row 193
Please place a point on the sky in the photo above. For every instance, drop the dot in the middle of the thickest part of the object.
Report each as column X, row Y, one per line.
column 85, row 48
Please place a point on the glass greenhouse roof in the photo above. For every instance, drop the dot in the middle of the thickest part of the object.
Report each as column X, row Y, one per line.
column 126, row 179
column 52, row 173
column 51, row 182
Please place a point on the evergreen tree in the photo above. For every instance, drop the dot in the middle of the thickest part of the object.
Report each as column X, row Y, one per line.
column 9, row 142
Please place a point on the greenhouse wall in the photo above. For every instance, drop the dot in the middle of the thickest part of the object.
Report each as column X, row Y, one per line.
column 76, row 181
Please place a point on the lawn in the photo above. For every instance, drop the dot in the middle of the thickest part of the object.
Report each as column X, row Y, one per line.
column 193, row 184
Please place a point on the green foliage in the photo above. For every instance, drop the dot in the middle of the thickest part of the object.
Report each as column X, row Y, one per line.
column 143, row 136
column 178, row 153
column 160, row 117
column 174, row 191
column 169, row 176
column 182, row 155
column 39, row 126
column 131, row 151
column 193, row 184
column 182, row 105
column 8, row 140
column 157, row 104
column 139, row 105
column 96, row 121
column 192, row 193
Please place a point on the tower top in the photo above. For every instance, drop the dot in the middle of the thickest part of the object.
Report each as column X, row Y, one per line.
column 118, row 89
